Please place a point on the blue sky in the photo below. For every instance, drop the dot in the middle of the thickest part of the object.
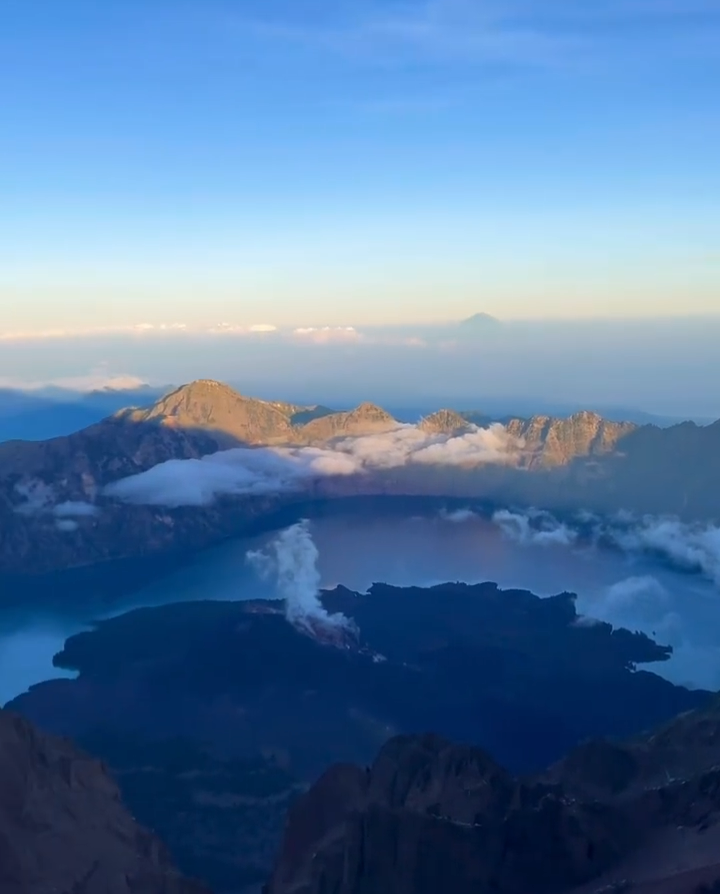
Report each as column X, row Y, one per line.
column 337, row 162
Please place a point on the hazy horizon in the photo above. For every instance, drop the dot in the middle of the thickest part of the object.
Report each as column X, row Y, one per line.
column 667, row 367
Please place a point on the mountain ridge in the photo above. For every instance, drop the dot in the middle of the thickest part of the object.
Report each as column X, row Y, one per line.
column 582, row 462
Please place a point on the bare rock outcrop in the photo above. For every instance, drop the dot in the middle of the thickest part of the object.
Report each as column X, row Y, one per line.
column 430, row 816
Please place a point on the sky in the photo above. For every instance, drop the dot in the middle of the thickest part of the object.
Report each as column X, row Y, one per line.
column 355, row 162
column 669, row 366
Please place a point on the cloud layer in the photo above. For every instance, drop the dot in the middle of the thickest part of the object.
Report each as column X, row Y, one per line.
column 534, row 526
column 259, row 332
column 268, row 470
column 683, row 546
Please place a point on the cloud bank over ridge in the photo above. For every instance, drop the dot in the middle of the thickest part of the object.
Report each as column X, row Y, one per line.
column 198, row 482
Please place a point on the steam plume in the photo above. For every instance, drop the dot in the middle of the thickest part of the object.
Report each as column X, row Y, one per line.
column 291, row 560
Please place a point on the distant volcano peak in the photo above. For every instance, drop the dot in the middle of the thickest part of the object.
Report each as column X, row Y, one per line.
column 480, row 319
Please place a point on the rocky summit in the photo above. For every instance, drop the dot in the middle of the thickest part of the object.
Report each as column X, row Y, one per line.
column 430, row 815
column 446, row 422
column 63, row 827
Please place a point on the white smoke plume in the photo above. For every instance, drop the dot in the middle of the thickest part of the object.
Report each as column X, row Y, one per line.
column 198, row 482
column 291, row 560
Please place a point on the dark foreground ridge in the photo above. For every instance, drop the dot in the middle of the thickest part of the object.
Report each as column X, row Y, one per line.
column 237, row 711
column 431, row 816
column 63, row 827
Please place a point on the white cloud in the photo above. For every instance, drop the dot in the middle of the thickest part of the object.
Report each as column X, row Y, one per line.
column 323, row 335
column 38, row 498
column 74, row 509
column 94, row 381
column 438, row 31
column 689, row 547
column 197, row 482
column 635, row 591
column 239, row 329
column 458, row 516
column 89, row 331
column 534, row 527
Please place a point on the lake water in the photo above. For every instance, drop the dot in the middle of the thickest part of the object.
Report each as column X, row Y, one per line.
column 680, row 610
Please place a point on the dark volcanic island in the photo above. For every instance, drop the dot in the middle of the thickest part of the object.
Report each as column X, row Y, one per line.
column 214, row 716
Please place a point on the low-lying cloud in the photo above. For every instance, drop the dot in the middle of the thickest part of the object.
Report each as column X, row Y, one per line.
column 39, row 498
column 536, row 527
column 457, row 516
column 686, row 546
column 74, row 509
column 264, row 470
column 245, row 471
column 683, row 546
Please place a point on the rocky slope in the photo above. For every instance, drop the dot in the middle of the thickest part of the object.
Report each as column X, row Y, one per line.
column 502, row 668
column 366, row 419
column 63, row 827
column 230, row 417
column 432, row 816
column 445, row 422
column 220, row 819
column 579, row 463
column 550, row 443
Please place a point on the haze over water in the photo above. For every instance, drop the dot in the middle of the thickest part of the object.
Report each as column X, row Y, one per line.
column 677, row 609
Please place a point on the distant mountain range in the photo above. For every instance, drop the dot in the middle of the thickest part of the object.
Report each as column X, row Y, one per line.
column 53, row 412
column 583, row 462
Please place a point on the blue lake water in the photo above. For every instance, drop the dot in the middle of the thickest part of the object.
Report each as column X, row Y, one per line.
column 680, row 610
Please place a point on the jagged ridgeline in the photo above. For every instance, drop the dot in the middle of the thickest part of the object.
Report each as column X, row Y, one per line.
column 55, row 511
column 430, row 815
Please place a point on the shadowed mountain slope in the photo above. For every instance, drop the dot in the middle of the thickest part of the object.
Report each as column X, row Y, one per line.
column 63, row 827
column 432, row 816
